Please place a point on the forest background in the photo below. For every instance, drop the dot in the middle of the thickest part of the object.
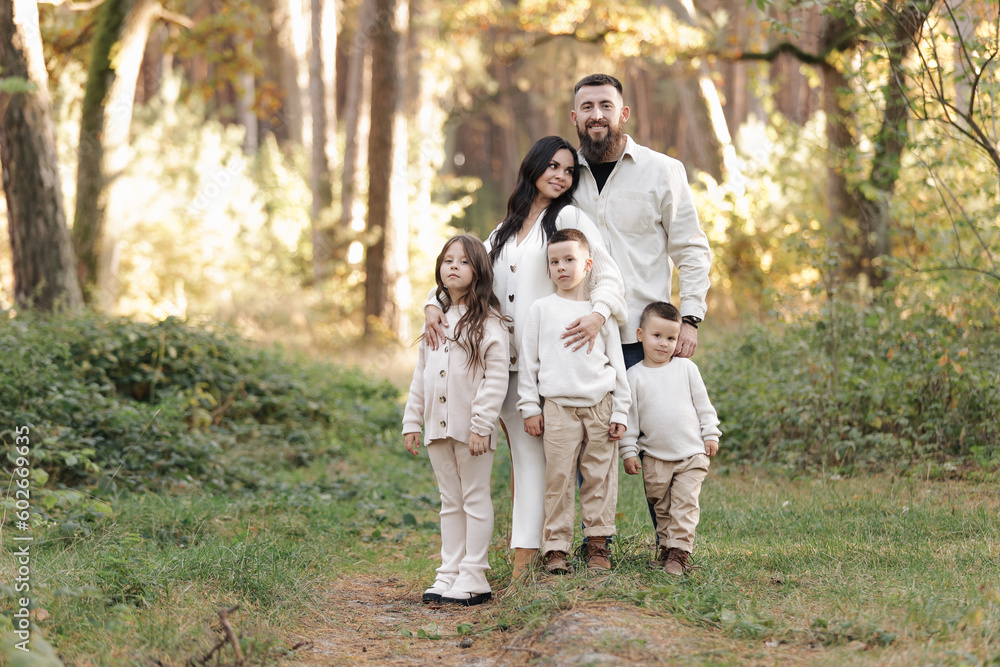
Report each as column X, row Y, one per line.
column 177, row 174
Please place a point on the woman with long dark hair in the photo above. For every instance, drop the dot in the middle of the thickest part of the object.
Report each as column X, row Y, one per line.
column 541, row 203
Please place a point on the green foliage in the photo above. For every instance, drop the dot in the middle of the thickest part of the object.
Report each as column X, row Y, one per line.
column 113, row 401
column 872, row 387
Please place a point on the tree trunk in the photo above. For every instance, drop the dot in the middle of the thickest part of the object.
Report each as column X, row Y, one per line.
column 386, row 284
column 322, row 65
column 505, row 166
column 246, row 113
column 44, row 272
column 840, row 141
column 355, row 109
column 876, row 193
column 123, row 26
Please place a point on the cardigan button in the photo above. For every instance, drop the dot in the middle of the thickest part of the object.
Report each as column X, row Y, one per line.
column 442, row 373
column 442, row 424
column 445, row 348
column 443, row 399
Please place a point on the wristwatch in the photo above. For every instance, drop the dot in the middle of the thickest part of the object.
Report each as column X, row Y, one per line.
column 692, row 320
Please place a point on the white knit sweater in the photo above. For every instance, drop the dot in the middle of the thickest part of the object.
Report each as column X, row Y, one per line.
column 449, row 398
column 551, row 370
column 670, row 406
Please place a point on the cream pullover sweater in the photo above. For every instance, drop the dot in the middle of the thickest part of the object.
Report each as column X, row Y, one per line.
column 449, row 398
column 551, row 370
column 670, row 407
column 648, row 220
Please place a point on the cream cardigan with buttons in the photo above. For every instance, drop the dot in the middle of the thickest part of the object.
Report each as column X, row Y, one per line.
column 449, row 397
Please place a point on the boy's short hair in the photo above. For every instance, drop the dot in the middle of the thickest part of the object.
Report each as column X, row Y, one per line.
column 660, row 309
column 598, row 80
column 570, row 234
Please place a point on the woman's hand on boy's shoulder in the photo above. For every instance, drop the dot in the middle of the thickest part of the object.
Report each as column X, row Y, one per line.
column 412, row 442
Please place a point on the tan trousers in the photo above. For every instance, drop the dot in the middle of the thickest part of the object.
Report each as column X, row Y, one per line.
column 673, row 488
column 578, row 438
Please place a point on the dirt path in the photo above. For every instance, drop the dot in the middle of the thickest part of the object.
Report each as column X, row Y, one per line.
column 365, row 620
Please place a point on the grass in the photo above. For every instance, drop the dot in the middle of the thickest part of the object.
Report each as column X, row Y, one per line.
column 901, row 567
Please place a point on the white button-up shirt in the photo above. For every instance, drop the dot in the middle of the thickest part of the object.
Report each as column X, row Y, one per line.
column 647, row 218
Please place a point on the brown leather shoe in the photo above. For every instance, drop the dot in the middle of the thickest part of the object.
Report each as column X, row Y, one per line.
column 555, row 562
column 662, row 556
column 677, row 562
column 598, row 557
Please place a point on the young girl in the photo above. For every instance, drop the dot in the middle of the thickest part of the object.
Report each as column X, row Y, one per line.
column 457, row 391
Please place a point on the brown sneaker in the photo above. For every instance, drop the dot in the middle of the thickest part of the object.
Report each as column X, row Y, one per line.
column 555, row 562
column 677, row 562
column 598, row 557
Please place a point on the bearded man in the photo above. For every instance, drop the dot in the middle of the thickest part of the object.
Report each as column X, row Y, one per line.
column 643, row 205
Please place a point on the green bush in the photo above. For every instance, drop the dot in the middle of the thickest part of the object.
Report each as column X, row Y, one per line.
column 117, row 402
column 861, row 388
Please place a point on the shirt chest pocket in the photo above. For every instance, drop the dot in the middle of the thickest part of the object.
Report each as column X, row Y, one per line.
column 633, row 212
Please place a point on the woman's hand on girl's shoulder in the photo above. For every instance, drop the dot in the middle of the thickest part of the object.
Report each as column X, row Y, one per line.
column 412, row 442
column 434, row 325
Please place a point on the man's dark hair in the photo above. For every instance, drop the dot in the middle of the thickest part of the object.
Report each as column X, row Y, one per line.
column 570, row 234
column 599, row 80
column 660, row 309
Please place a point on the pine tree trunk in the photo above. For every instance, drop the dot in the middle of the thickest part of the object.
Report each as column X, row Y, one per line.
column 355, row 109
column 323, row 145
column 385, row 262
column 44, row 271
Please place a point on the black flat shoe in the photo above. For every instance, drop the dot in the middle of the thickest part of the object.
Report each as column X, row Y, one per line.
column 427, row 598
column 478, row 598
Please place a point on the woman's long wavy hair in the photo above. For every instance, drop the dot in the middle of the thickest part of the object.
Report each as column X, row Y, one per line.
column 480, row 301
column 532, row 167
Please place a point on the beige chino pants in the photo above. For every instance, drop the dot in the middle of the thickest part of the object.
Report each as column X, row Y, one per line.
column 578, row 438
column 673, row 488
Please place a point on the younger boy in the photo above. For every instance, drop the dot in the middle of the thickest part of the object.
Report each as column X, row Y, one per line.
column 679, row 431
column 578, row 403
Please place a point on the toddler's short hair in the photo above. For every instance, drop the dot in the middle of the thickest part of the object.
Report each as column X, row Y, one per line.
column 570, row 234
column 660, row 309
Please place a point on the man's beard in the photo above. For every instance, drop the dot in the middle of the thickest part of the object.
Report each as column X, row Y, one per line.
column 600, row 150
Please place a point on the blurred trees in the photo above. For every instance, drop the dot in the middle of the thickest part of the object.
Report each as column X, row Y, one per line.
column 356, row 148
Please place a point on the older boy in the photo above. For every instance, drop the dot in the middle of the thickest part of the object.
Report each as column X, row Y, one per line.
column 679, row 432
column 586, row 400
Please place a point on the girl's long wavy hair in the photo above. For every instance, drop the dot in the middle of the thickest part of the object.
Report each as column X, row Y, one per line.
column 532, row 167
column 480, row 301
